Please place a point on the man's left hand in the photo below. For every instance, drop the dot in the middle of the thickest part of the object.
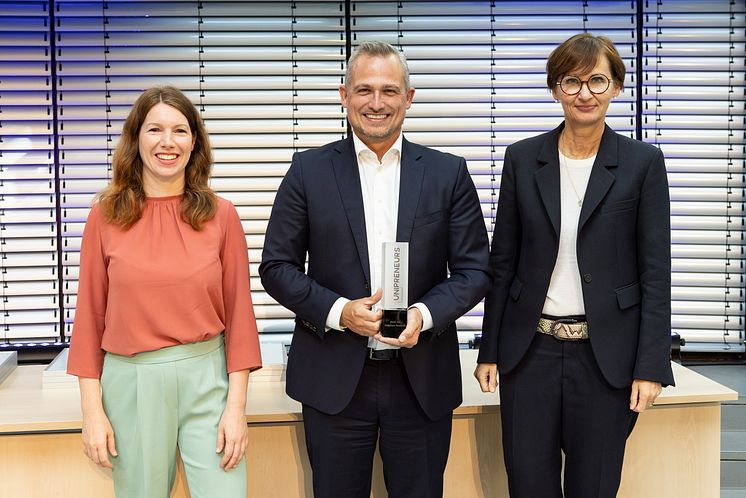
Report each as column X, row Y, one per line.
column 410, row 335
column 644, row 393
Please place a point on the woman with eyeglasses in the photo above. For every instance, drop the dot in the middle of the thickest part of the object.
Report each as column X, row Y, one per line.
column 578, row 319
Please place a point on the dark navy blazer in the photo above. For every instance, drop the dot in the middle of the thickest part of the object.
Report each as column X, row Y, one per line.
column 318, row 212
column 623, row 250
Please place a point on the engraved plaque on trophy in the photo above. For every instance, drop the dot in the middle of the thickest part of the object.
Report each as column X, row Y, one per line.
column 395, row 284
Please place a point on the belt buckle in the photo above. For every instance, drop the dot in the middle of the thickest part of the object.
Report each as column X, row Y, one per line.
column 561, row 324
column 382, row 354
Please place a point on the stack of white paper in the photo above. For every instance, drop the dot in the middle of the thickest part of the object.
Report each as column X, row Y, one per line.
column 8, row 363
column 55, row 376
column 274, row 357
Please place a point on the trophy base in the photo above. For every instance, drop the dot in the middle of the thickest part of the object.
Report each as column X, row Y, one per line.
column 394, row 322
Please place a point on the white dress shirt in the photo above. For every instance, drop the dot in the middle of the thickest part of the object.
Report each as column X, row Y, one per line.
column 379, row 182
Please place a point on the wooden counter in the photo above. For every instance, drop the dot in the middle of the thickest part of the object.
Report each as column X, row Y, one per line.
column 673, row 452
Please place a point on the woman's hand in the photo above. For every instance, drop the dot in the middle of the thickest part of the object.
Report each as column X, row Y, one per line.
column 643, row 395
column 98, row 435
column 486, row 375
column 98, row 439
column 233, row 437
column 233, row 433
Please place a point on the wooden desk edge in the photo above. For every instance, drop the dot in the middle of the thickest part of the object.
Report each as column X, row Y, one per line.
column 693, row 388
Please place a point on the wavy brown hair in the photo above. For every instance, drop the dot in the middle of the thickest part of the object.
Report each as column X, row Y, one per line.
column 122, row 201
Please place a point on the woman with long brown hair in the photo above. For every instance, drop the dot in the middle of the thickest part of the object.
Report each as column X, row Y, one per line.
column 164, row 335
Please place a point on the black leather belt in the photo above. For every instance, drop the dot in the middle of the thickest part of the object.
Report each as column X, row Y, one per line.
column 382, row 354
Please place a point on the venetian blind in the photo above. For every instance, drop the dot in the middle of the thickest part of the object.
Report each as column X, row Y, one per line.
column 263, row 74
column 478, row 69
column 694, row 107
column 28, row 232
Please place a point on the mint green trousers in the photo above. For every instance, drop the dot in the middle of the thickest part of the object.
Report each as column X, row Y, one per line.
column 159, row 400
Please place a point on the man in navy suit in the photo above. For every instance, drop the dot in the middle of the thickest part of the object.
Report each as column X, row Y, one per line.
column 337, row 205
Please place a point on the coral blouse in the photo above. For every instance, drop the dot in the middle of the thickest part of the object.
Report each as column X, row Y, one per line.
column 161, row 283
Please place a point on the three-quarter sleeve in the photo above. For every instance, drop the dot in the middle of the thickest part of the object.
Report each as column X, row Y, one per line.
column 241, row 335
column 86, row 358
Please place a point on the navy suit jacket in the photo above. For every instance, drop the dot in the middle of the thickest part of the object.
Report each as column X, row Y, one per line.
column 623, row 251
column 318, row 212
